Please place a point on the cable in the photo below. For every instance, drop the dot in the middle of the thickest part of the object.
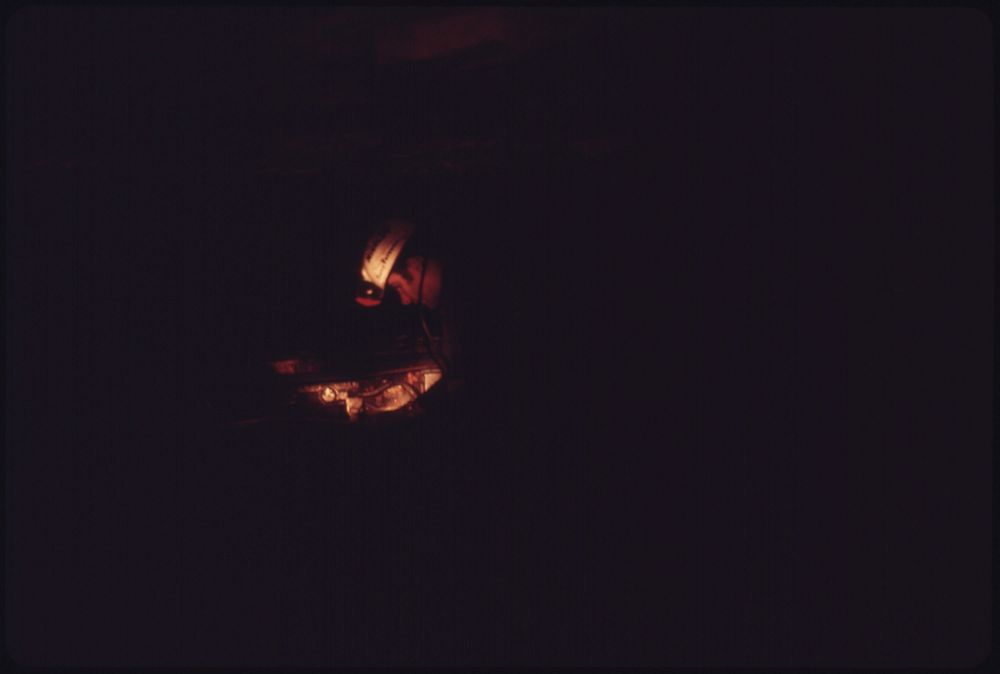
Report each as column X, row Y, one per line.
column 439, row 359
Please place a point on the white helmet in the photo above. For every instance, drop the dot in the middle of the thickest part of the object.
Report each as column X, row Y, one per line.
column 380, row 255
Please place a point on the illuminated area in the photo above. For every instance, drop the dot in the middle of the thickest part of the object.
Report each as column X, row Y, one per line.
column 386, row 393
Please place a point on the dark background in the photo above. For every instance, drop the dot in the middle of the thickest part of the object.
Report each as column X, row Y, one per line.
column 727, row 284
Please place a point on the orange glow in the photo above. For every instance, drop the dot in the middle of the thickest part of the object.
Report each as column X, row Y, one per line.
column 392, row 399
column 353, row 407
column 377, row 395
column 430, row 378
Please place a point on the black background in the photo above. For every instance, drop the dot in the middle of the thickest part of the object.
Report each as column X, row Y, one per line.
column 727, row 278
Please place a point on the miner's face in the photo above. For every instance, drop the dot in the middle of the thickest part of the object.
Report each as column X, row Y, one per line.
column 406, row 281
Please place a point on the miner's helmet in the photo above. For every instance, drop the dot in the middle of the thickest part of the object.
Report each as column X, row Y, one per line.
column 380, row 256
